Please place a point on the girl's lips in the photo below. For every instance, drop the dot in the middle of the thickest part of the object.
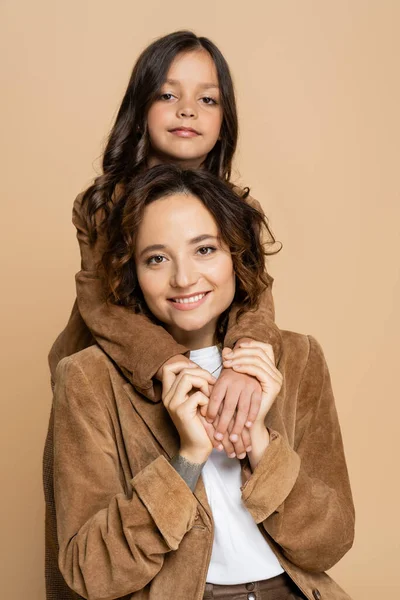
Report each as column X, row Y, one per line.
column 189, row 305
column 185, row 133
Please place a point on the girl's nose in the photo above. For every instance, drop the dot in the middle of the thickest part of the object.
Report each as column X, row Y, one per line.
column 187, row 109
column 187, row 112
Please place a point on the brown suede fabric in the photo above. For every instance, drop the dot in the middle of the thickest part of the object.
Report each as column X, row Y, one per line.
column 138, row 346
column 128, row 525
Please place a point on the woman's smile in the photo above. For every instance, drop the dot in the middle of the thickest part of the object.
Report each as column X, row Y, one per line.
column 189, row 302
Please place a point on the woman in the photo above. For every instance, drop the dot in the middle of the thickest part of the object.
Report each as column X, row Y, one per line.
column 134, row 517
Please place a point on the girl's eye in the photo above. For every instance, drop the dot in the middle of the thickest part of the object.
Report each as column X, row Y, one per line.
column 206, row 250
column 155, row 260
column 208, row 100
column 166, row 96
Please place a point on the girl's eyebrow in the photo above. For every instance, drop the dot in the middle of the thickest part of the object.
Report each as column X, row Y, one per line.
column 195, row 240
column 202, row 85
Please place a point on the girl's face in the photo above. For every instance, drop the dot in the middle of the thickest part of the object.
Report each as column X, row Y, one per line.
column 184, row 123
column 184, row 270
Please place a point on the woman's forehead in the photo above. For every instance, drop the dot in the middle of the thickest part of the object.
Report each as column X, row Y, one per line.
column 180, row 218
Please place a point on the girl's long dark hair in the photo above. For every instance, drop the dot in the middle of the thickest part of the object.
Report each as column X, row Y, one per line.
column 127, row 148
column 242, row 228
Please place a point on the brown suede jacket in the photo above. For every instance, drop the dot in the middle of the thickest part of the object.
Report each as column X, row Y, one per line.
column 137, row 345
column 128, row 525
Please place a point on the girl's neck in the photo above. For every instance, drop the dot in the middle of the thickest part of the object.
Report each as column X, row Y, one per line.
column 157, row 159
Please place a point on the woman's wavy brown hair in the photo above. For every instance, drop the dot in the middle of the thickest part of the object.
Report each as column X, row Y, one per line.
column 128, row 144
column 242, row 228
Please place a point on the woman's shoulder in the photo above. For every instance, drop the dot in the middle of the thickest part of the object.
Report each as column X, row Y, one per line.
column 300, row 346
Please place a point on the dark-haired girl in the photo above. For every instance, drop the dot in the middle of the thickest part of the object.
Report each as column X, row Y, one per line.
column 146, row 508
column 179, row 107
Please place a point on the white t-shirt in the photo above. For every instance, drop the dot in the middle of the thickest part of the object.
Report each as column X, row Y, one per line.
column 240, row 553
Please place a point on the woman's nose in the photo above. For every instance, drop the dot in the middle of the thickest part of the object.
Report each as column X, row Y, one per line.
column 184, row 275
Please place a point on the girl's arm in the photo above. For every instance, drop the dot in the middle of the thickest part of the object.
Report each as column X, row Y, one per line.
column 135, row 343
column 112, row 540
column 302, row 495
column 240, row 393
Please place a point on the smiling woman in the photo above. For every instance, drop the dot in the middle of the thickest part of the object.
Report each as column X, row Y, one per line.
column 146, row 507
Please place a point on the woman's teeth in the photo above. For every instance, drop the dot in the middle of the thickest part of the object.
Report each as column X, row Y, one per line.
column 189, row 300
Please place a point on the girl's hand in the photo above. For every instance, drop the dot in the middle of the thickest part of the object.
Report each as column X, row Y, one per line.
column 238, row 449
column 185, row 391
column 235, row 396
column 257, row 359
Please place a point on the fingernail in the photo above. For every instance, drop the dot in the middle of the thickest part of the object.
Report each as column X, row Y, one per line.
column 248, row 449
column 209, row 420
column 232, row 455
column 228, row 353
column 249, row 423
column 227, row 362
column 242, row 455
column 237, row 367
column 234, row 437
column 220, row 447
column 219, row 436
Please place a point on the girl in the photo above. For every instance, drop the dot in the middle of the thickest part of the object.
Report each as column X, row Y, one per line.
column 179, row 107
column 135, row 519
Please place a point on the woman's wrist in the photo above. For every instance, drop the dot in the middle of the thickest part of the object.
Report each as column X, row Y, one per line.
column 189, row 471
column 259, row 435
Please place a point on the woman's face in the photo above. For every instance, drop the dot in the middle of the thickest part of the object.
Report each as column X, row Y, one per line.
column 184, row 270
column 185, row 122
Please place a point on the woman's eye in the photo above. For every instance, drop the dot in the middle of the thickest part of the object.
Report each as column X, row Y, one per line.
column 166, row 96
column 206, row 250
column 208, row 100
column 155, row 260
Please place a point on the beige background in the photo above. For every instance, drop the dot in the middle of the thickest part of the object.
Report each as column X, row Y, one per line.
column 319, row 96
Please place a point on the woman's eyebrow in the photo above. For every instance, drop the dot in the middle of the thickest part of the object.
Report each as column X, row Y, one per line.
column 195, row 240
column 202, row 238
column 152, row 248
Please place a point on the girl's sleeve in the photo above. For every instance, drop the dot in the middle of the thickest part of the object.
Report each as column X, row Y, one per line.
column 134, row 342
column 112, row 540
column 302, row 495
column 259, row 324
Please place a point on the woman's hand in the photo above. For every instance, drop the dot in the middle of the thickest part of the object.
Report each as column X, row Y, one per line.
column 185, row 391
column 178, row 358
column 257, row 359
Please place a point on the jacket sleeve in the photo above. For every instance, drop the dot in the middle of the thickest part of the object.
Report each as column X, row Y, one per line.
column 112, row 540
column 135, row 343
column 259, row 324
column 302, row 496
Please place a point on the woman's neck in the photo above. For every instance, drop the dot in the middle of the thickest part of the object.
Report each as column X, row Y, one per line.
column 194, row 340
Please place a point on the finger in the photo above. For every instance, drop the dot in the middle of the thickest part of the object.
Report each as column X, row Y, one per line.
column 216, row 398
column 205, row 375
column 226, row 443
column 255, row 403
column 268, row 349
column 239, row 448
column 264, row 378
column 210, row 432
column 242, row 412
column 246, row 438
column 257, row 362
column 180, row 389
column 170, row 372
column 239, row 352
column 228, row 410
